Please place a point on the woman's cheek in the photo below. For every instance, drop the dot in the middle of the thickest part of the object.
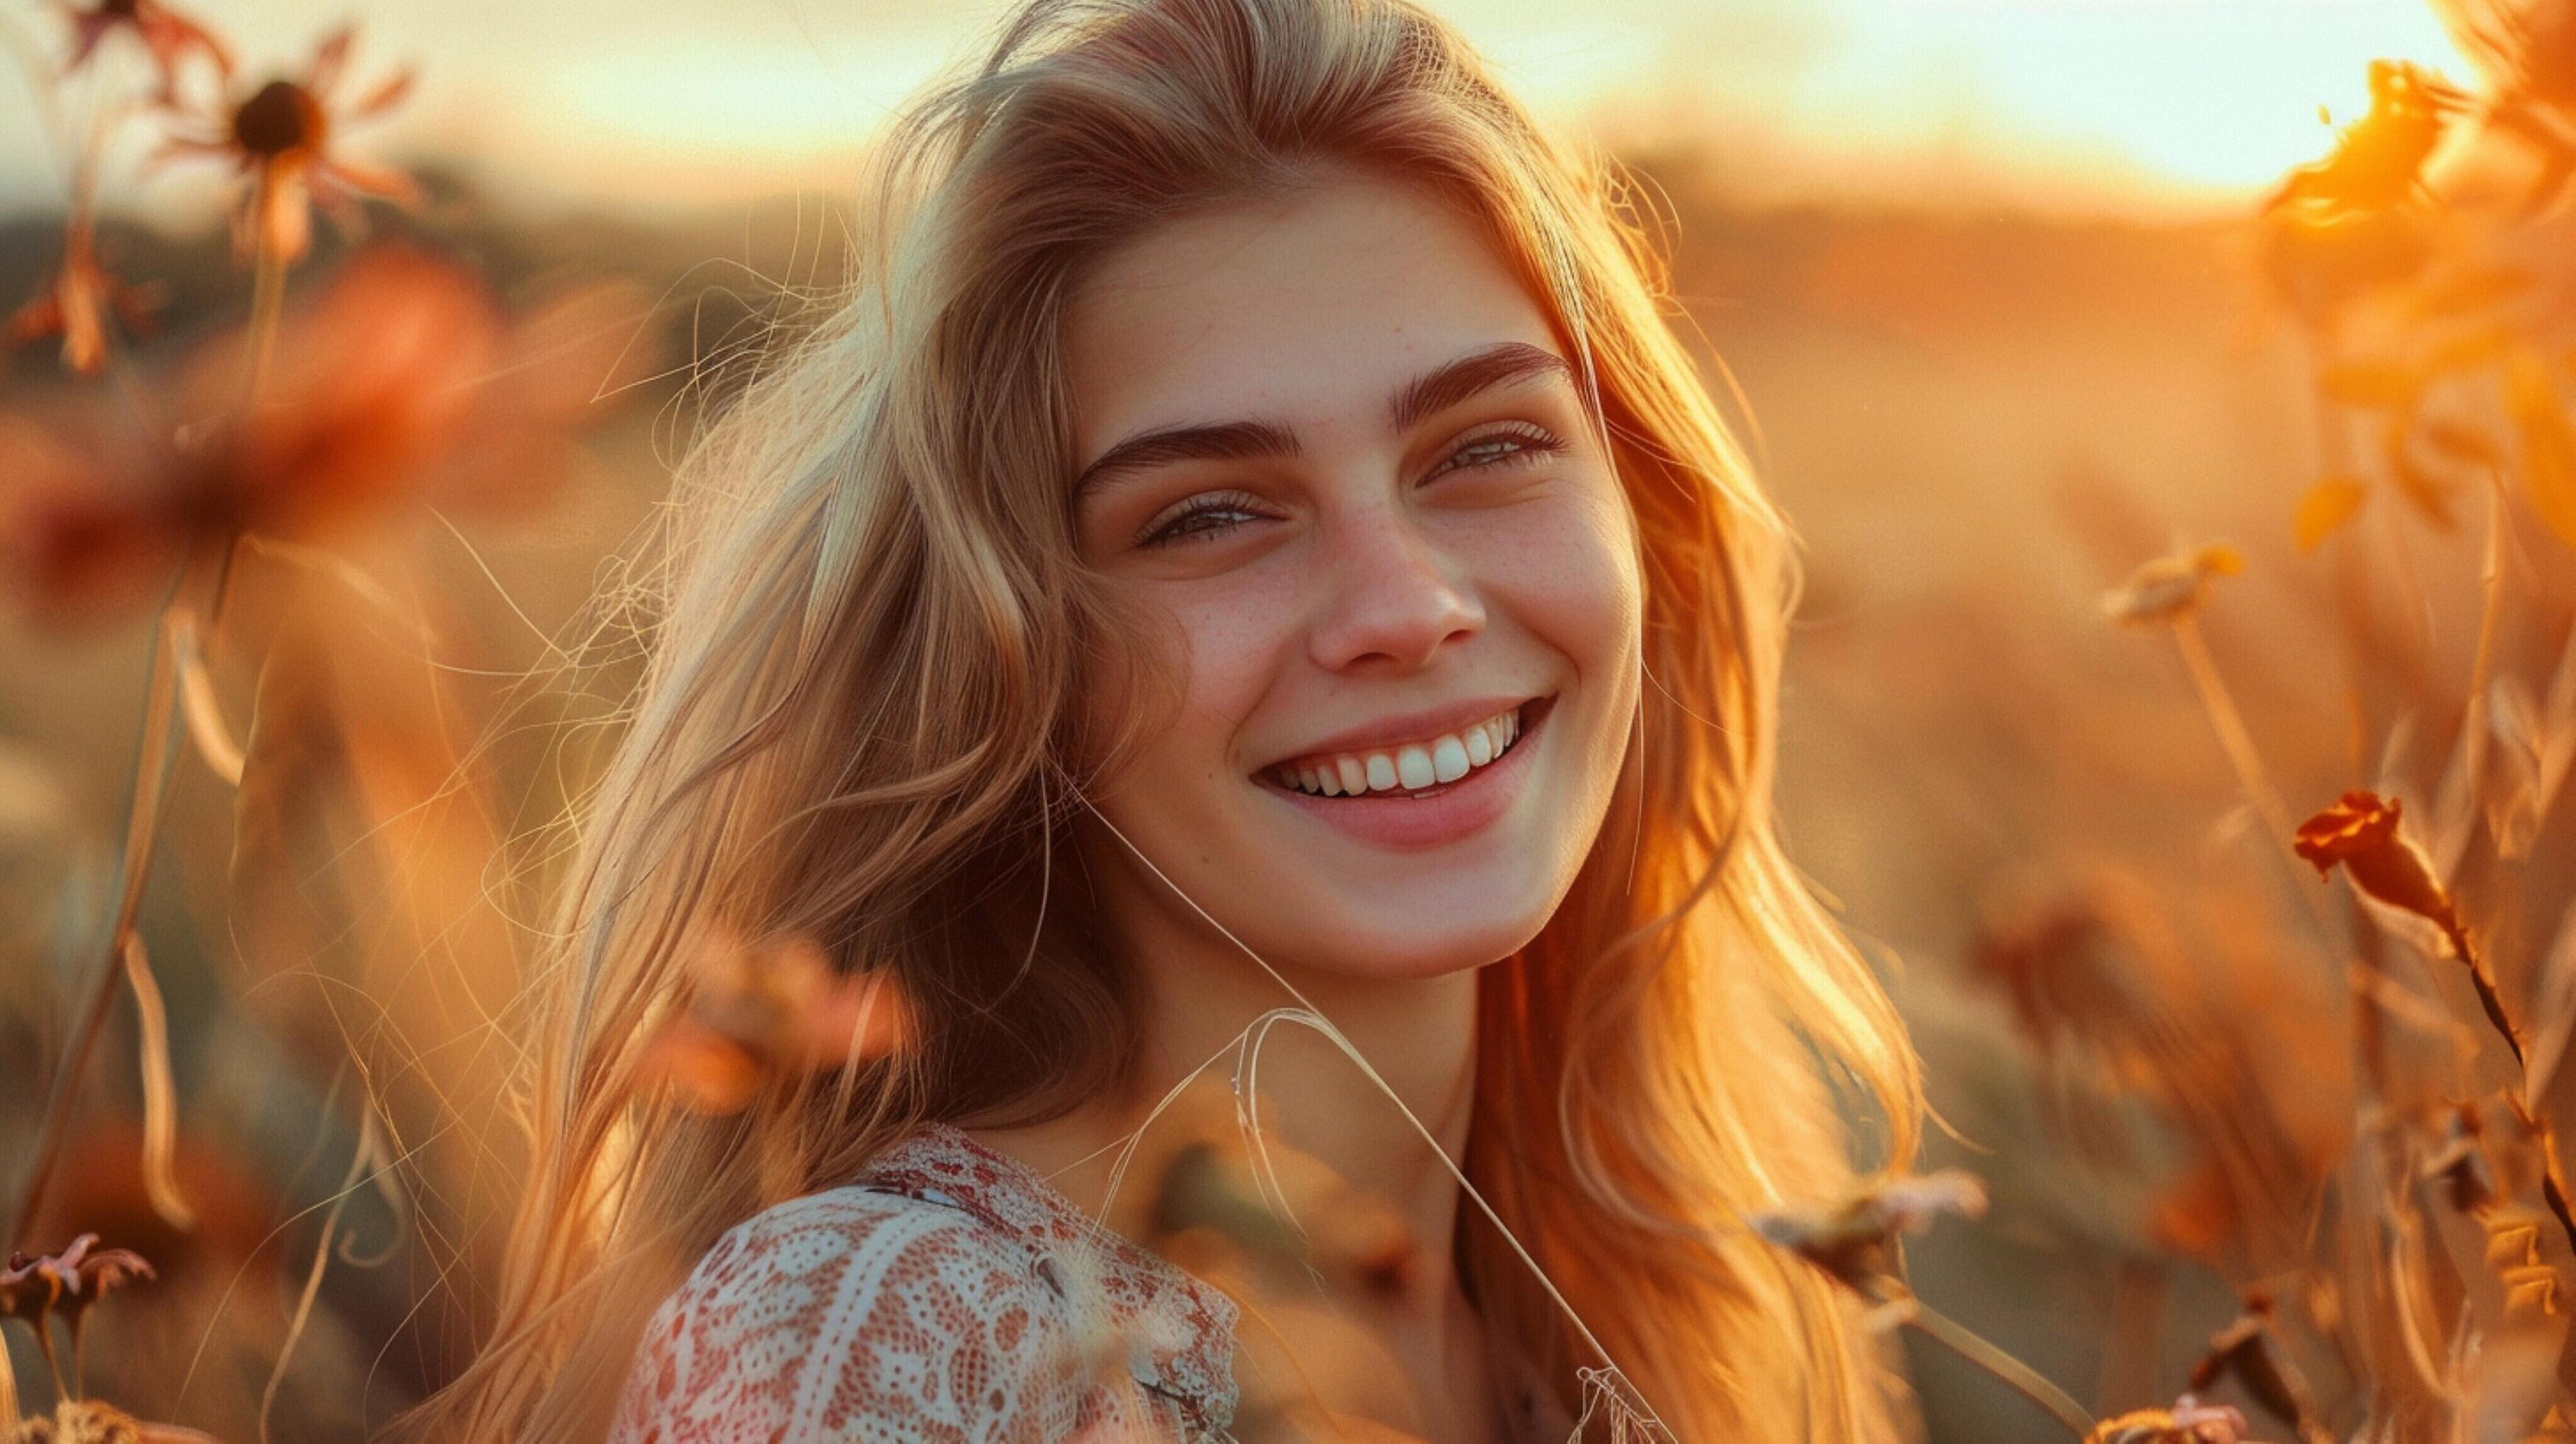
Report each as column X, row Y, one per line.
column 1567, row 571
column 1234, row 635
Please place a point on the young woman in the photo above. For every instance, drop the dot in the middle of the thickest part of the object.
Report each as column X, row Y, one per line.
column 1247, row 541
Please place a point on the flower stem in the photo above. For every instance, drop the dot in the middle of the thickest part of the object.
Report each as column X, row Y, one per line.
column 2251, row 776
column 2484, row 981
column 267, row 297
column 154, row 771
column 2230, row 725
column 2020, row 1377
column 53, row 1361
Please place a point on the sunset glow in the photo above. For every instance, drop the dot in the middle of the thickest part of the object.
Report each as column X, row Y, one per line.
column 2119, row 104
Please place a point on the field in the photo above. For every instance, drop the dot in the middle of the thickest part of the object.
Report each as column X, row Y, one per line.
column 2178, row 708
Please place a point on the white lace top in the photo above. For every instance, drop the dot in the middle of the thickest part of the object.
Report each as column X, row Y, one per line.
column 950, row 1294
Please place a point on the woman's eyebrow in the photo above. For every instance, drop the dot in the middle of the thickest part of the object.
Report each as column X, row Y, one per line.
column 1435, row 390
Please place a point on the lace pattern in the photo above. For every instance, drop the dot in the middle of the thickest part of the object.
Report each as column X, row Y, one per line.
column 949, row 1295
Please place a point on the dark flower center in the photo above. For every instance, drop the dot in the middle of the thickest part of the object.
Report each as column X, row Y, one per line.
column 280, row 119
column 121, row 9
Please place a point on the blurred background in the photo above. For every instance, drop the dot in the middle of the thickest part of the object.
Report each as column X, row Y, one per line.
column 2012, row 298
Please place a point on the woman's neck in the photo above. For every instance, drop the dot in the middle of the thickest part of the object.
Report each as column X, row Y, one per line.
column 1202, row 995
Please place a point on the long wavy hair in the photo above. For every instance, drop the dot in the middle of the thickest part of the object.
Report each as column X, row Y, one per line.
column 868, row 636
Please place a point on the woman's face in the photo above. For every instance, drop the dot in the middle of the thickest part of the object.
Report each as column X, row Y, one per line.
column 1333, row 441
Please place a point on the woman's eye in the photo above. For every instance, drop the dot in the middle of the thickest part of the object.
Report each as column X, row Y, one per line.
column 1203, row 518
column 1207, row 518
column 1504, row 448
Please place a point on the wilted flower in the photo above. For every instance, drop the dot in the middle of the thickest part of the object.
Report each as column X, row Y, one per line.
column 758, row 1011
column 1856, row 1241
column 67, row 1283
column 383, row 388
column 75, row 303
column 282, row 137
column 2378, row 161
column 170, row 36
column 2187, row 1422
column 2171, row 587
column 2362, row 833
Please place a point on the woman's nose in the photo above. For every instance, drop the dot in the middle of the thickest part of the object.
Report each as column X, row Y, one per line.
column 1391, row 597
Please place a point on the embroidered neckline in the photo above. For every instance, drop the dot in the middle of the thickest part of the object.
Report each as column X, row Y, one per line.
column 1182, row 1326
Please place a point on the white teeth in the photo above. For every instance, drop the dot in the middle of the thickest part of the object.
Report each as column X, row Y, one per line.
column 1448, row 759
column 1413, row 767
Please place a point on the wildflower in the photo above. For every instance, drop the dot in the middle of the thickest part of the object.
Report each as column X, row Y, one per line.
column 76, row 302
column 754, row 1012
column 86, row 1274
column 2362, row 833
column 1856, row 1242
column 2187, row 1422
column 2170, row 588
column 69, row 1283
column 383, row 389
column 170, row 36
column 282, row 137
column 2377, row 163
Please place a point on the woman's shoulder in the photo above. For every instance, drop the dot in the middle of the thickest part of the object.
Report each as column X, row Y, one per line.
column 945, row 1293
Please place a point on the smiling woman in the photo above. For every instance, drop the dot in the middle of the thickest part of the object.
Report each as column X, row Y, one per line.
column 1248, row 552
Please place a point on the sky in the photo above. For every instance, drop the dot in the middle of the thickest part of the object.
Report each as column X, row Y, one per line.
column 2110, row 106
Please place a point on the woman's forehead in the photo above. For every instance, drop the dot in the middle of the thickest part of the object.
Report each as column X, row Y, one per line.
column 1302, row 309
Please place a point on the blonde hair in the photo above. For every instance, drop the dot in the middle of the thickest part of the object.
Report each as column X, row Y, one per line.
column 857, row 725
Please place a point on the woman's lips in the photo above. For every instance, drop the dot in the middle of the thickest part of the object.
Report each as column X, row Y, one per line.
column 1436, row 815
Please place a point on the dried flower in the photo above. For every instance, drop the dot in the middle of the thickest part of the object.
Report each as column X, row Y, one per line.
column 2362, row 833
column 69, row 1283
column 170, row 36
column 2187, row 1422
column 2171, row 587
column 1856, row 1241
column 281, row 136
column 383, row 390
column 76, row 302
column 2378, row 161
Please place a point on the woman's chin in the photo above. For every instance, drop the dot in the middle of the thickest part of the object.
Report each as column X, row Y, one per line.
column 1400, row 948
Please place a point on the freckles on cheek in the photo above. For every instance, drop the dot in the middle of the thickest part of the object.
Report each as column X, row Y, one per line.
column 1233, row 647
column 1574, row 574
